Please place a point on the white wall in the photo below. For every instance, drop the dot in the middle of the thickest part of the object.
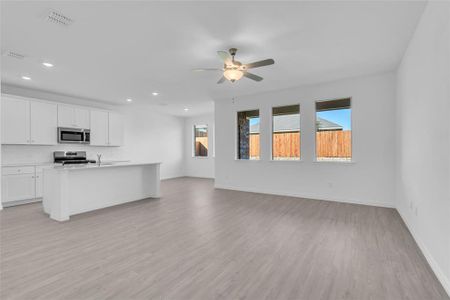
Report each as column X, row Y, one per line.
column 198, row 166
column 149, row 136
column 369, row 180
column 423, row 128
column 154, row 136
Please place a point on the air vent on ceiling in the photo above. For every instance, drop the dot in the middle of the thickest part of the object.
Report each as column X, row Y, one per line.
column 58, row 18
column 14, row 54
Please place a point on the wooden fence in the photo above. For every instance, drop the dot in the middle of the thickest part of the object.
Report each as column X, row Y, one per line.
column 329, row 144
column 201, row 146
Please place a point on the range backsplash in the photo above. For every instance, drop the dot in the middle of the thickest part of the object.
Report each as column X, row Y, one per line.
column 36, row 154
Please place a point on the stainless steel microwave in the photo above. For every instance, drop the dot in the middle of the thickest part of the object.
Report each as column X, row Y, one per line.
column 74, row 135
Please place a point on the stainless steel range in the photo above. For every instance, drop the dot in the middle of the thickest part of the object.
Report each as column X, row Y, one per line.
column 71, row 157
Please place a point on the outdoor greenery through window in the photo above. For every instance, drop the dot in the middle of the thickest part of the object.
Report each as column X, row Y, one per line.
column 333, row 130
column 200, row 140
column 248, row 134
column 286, row 132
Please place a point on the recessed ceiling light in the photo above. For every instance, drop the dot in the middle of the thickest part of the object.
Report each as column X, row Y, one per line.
column 129, row 100
column 47, row 64
column 186, row 109
column 26, row 78
column 155, row 93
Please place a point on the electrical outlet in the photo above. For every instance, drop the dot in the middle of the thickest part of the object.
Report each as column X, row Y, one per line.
column 410, row 204
column 415, row 210
column 330, row 185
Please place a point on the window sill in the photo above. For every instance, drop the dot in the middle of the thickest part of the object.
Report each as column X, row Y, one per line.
column 286, row 160
column 200, row 157
column 252, row 160
column 344, row 162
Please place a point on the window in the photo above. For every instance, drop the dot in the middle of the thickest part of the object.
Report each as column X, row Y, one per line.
column 248, row 134
column 200, row 140
column 286, row 132
column 333, row 130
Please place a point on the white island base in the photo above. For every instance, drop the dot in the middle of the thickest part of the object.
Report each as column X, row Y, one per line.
column 71, row 190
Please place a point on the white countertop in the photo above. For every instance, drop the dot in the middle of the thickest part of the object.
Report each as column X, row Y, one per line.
column 49, row 163
column 102, row 165
column 28, row 164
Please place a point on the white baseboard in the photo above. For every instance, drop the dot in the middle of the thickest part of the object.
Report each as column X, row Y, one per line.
column 306, row 196
column 445, row 281
column 201, row 177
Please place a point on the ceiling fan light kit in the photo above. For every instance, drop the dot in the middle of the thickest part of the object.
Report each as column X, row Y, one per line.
column 234, row 70
column 233, row 74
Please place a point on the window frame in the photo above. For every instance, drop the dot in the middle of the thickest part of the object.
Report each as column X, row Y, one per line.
column 236, row 135
column 351, row 161
column 299, row 132
column 193, row 141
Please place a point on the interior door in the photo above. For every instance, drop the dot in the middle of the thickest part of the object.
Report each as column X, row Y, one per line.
column 99, row 128
column 43, row 123
column 15, row 121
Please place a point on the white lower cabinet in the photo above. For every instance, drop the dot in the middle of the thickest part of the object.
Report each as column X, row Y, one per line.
column 21, row 184
column 39, row 185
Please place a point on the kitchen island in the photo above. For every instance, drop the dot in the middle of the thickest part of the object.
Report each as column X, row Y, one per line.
column 71, row 190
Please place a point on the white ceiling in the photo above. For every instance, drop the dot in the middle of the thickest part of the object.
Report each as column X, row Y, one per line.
column 119, row 50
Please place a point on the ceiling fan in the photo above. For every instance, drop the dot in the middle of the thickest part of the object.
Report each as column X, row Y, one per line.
column 234, row 70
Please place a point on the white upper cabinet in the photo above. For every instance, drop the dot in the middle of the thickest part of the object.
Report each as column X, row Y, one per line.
column 15, row 121
column 73, row 117
column 115, row 129
column 28, row 121
column 99, row 128
column 82, row 118
column 106, row 128
column 66, row 116
column 43, row 123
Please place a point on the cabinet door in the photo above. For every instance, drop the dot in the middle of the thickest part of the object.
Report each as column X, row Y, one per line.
column 115, row 132
column 66, row 116
column 18, row 187
column 39, row 185
column 43, row 123
column 99, row 128
column 82, row 118
column 15, row 121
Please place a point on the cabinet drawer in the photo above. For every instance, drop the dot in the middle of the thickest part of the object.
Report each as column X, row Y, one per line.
column 40, row 169
column 17, row 170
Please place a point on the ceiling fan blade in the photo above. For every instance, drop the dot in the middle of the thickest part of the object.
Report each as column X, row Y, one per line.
column 206, row 69
column 253, row 76
column 221, row 80
column 225, row 56
column 260, row 63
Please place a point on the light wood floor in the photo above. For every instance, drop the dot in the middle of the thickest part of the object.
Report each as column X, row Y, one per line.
column 201, row 243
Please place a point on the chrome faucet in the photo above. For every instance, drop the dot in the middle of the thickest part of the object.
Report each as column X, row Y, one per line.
column 99, row 158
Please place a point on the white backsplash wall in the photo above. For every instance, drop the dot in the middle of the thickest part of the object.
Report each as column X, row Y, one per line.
column 12, row 154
